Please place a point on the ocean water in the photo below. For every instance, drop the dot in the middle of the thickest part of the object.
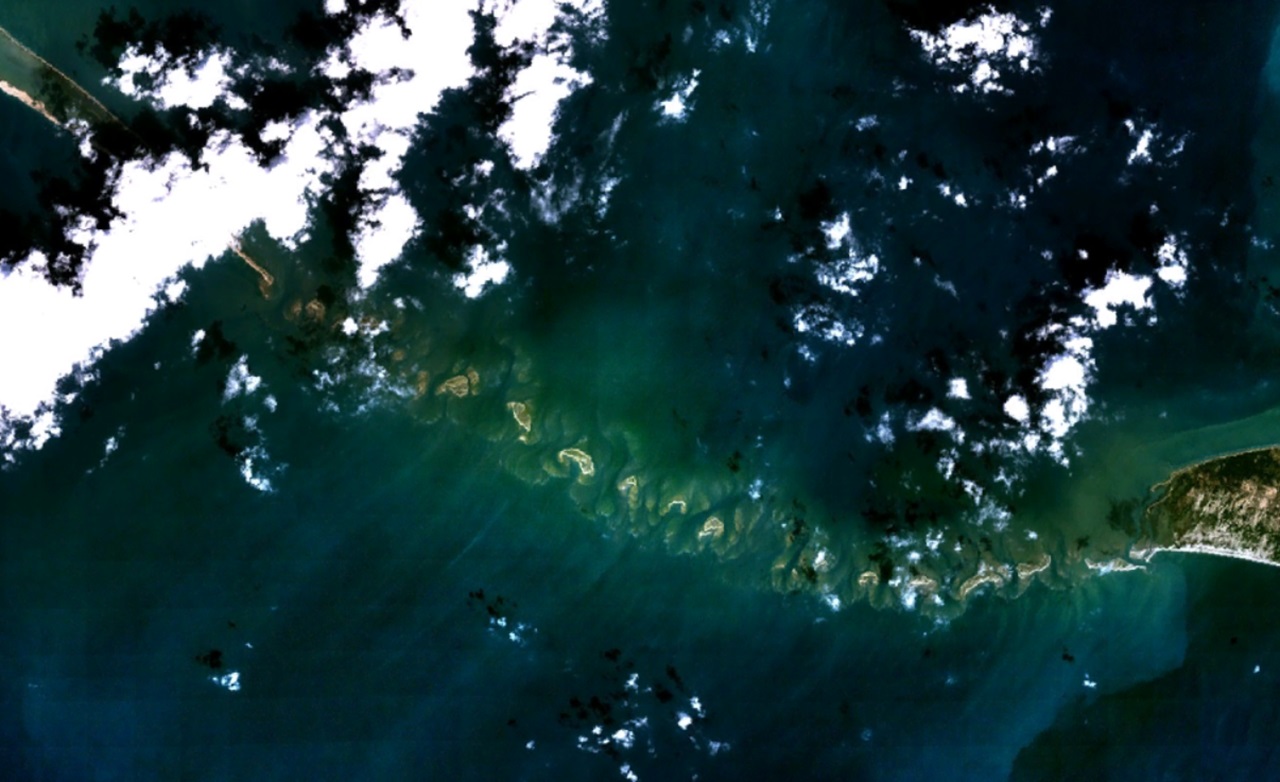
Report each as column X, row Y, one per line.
column 391, row 609
column 757, row 464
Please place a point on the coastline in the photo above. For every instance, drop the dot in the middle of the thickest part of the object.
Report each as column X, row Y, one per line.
column 15, row 92
column 1225, row 506
column 1146, row 553
column 1186, row 468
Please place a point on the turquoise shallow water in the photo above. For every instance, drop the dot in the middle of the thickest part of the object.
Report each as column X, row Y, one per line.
column 357, row 585
column 427, row 592
column 353, row 585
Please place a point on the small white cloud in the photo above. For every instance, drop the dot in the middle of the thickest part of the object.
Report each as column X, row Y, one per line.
column 1055, row 145
column 836, row 230
column 1120, row 289
column 111, row 446
column 482, row 272
column 240, row 381
column 821, row 321
column 1063, row 371
column 848, row 275
column 1016, row 408
column 171, row 84
column 1173, row 262
column 1141, row 153
column 228, row 681
column 676, row 107
column 174, row 291
column 935, row 421
column 252, row 463
column 981, row 47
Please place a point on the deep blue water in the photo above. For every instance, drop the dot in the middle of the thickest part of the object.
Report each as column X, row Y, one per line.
column 425, row 593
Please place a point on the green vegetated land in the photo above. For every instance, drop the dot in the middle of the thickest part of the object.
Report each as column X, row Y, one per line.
column 1229, row 505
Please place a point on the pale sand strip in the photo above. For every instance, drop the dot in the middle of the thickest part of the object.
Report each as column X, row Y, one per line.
column 267, row 279
column 9, row 89
column 7, row 37
column 1145, row 554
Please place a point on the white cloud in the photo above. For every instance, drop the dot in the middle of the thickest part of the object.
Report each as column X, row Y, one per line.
column 1120, row 289
column 252, row 462
column 934, row 421
column 821, row 321
column 1173, row 263
column 676, row 107
column 981, row 47
column 1016, row 408
column 482, row 272
column 173, row 86
column 1055, row 145
column 177, row 217
column 1063, row 371
column 227, row 681
column 436, row 54
column 174, row 217
column 541, row 86
column 836, row 230
column 240, row 381
column 1141, row 152
column 848, row 275
column 382, row 240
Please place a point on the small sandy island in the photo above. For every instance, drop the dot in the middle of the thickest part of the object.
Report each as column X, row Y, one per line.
column 586, row 466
